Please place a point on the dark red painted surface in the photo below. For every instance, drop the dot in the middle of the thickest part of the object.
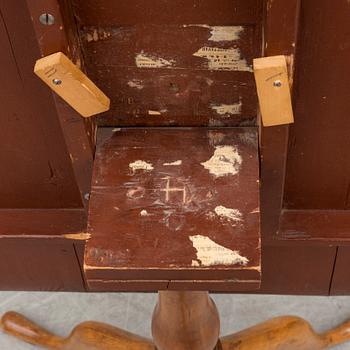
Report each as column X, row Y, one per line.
column 151, row 218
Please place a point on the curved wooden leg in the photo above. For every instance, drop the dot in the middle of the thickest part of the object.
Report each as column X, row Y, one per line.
column 287, row 333
column 86, row 336
column 182, row 321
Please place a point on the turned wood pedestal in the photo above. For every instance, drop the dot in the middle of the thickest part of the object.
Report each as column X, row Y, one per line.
column 182, row 321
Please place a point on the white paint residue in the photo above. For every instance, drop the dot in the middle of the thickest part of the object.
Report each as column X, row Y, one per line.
column 225, row 33
column 154, row 113
column 210, row 253
column 225, row 161
column 177, row 162
column 144, row 213
column 137, row 84
column 233, row 215
column 195, row 263
column 148, row 61
column 223, row 59
column 224, row 109
column 140, row 165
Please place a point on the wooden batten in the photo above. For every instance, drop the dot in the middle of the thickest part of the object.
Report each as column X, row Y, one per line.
column 271, row 77
column 69, row 82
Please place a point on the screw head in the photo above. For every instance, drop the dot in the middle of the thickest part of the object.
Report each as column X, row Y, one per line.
column 277, row 83
column 47, row 19
column 57, row 81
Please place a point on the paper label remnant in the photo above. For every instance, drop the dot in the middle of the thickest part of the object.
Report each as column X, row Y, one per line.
column 140, row 165
column 224, row 109
column 148, row 61
column 177, row 162
column 232, row 215
column 96, row 35
column 225, row 161
column 223, row 59
column 154, row 113
column 136, row 84
column 225, row 33
column 210, row 253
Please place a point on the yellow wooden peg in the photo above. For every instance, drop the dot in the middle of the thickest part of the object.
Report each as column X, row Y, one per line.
column 69, row 82
column 271, row 77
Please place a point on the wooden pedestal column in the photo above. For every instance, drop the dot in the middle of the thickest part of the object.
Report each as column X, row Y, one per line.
column 185, row 320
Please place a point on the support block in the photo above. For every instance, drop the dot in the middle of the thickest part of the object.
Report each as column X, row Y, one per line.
column 271, row 76
column 69, row 82
column 175, row 209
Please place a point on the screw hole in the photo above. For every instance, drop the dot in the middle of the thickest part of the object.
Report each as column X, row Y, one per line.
column 57, row 81
column 174, row 87
column 47, row 19
column 277, row 83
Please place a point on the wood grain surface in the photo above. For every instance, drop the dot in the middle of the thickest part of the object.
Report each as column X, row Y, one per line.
column 173, row 63
column 175, row 204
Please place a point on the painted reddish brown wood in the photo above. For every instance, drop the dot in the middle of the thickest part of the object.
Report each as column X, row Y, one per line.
column 177, row 204
column 224, row 285
column 39, row 264
column 318, row 164
column 36, row 169
column 62, row 36
column 182, row 71
column 297, row 269
column 321, row 226
column 219, row 12
column 45, row 222
column 281, row 31
column 341, row 276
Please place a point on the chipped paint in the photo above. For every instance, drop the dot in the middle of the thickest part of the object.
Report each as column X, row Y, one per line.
column 116, row 129
column 224, row 109
column 140, row 165
column 136, row 84
column 96, row 35
column 83, row 236
column 177, row 162
column 210, row 253
column 225, row 33
column 220, row 33
column 136, row 192
column 144, row 60
column 229, row 214
column 225, row 161
column 154, row 113
column 224, row 59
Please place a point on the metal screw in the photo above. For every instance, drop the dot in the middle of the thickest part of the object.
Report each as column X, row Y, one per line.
column 57, row 81
column 277, row 83
column 47, row 19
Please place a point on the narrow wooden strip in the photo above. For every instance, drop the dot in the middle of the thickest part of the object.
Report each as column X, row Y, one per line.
column 46, row 222
column 154, row 285
column 316, row 225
